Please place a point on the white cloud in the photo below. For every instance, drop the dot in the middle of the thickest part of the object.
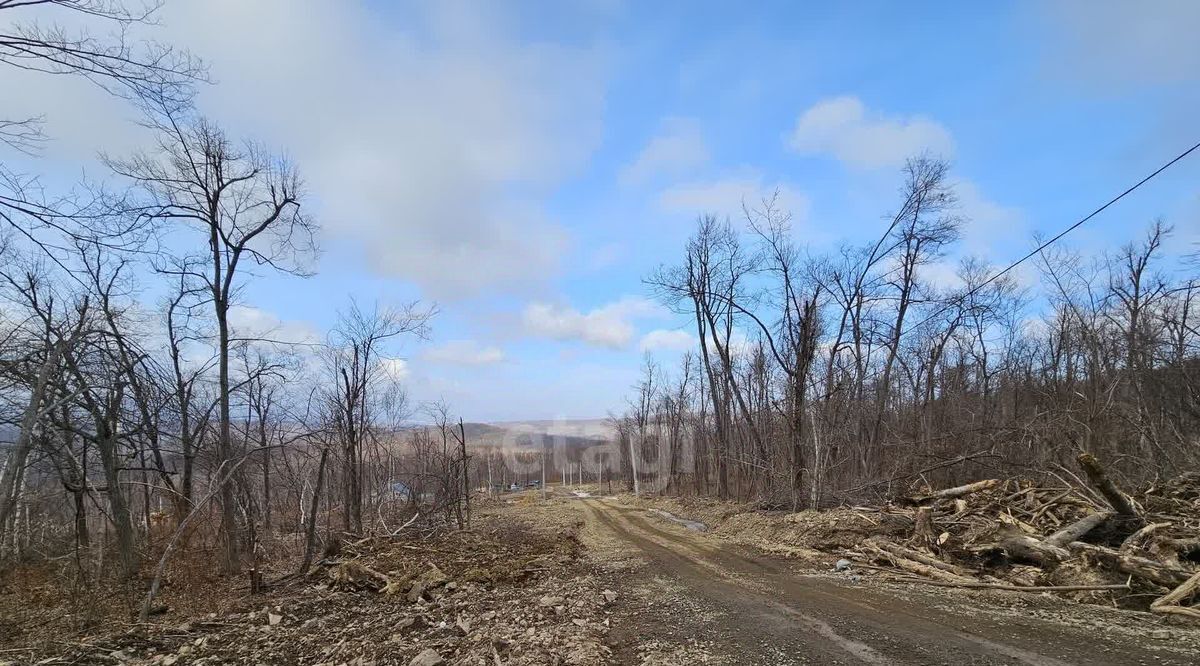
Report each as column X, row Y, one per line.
column 667, row 340
column 251, row 322
column 725, row 196
column 428, row 140
column 608, row 326
column 843, row 128
column 741, row 344
column 678, row 148
column 988, row 224
column 464, row 352
column 396, row 368
column 942, row 274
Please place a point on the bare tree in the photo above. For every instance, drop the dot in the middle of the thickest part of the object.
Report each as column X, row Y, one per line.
column 356, row 361
column 247, row 206
column 864, row 367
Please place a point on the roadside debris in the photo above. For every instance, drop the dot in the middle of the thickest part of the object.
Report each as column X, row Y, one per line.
column 504, row 592
column 1093, row 543
column 1097, row 543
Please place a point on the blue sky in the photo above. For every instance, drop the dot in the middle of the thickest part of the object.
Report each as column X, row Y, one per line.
column 525, row 164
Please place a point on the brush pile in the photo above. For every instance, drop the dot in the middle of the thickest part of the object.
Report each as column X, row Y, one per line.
column 504, row 591
column 1092, row 541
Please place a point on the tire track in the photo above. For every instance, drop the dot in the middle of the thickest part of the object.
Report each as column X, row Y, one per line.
column 834, row 597
column 771, row 622
column 826, row 622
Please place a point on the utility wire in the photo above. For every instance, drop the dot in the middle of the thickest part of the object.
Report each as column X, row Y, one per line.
column 1062, row 233
column 958, row 300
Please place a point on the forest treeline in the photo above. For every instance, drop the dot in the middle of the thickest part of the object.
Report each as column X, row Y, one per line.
column 823, row 378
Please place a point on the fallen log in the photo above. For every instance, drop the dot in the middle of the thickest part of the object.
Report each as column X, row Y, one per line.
column 918, row 556
column 1173, row 551
column 1078, row 529
column 919, row 568
column 959, row 491
column 1118, row 500
column 1146, row 569
column 352, row 572
column 1017, row 588
column 1024, row 548
column 1172, row 602
column 1185, row 548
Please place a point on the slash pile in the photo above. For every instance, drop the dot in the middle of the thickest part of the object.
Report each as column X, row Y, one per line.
column 504, row 591
column 1094, row 542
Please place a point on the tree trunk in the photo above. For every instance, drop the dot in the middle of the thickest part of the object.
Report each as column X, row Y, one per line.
column 958, row 491
column 24, row 444
column 266, row 468
column 118, row 505
column 466, row 472
column 1100, row 481
column 1155, row 572
column 1077, row 530
column 310, row 530
column 1172, row 601
column 224, row 440
column 1024, row 548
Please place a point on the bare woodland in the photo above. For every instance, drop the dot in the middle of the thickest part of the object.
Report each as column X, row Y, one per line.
column 823, row 379
column 140, row 423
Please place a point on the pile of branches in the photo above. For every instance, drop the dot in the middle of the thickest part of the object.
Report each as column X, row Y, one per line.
column 497, row 552
column 1089, row 537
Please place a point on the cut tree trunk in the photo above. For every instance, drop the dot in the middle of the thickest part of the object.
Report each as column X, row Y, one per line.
column 923, row 528
column 1135, row 541
column 1155, row 572
column 939, row 571
column 1077, row 530
column 1105, row 486
column 1024, row 548
column 1019, row 588
column 917, row 556
column 310, row 530
column 1171, row 551
column 959, row 491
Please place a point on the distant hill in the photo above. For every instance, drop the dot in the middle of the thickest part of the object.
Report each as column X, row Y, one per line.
column 576, row 433
column 601, row 428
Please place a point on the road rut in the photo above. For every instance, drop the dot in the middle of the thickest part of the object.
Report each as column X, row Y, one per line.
column 771, row 613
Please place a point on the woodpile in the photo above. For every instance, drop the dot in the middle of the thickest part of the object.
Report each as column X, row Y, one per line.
column 1092, row 540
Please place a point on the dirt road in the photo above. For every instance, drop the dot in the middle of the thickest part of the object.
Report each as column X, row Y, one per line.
column 754, row 609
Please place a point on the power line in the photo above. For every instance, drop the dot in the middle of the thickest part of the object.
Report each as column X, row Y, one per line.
column 958, row 300
column 1062, row 233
